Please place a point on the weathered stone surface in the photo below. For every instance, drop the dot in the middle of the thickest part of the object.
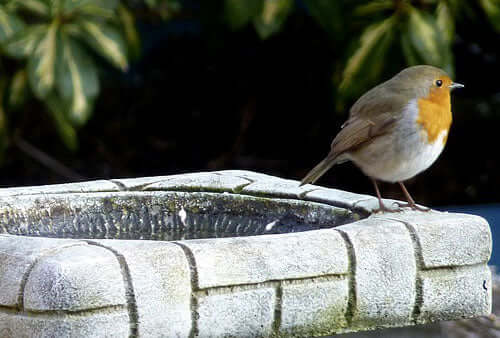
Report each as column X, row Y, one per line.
column 479, row 327
column 340, row 197
column 219, row 180
column 17, row 257
column 372, row 205
column 384, row 272
column 240, row 313
column 277, row 187
column 113, row 323
column 249, row 175
column 258, row 259
column 421, row 331
column 449, row 239
column 201, row 182
column 455, row 293
column 138, row 183
column 314, row 308
column 75, row 278
column 69, row 188
column 163, row 215
column 159, row 277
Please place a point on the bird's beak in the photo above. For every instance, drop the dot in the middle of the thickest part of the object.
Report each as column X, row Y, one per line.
column 456, row 85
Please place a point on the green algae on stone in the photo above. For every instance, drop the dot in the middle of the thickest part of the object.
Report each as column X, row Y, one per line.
column 165, row 215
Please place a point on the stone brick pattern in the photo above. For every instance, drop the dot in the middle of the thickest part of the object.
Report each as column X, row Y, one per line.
column 384, row 270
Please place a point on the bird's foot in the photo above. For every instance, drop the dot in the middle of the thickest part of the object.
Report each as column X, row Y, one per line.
column 383, row 209
column 413, row 206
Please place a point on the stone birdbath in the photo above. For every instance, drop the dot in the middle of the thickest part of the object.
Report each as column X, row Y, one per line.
column 229, row 253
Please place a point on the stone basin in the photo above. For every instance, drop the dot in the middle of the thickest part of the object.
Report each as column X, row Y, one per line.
column 230, row 253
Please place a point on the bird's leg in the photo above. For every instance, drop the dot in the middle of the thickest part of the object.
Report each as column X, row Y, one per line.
column 382, row 207
column 411, row 203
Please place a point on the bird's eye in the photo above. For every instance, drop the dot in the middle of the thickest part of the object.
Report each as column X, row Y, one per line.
column 439, row 83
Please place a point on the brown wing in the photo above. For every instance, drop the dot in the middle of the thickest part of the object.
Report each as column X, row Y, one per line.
column 359, row 130
column 372, row 115
column 390, row 96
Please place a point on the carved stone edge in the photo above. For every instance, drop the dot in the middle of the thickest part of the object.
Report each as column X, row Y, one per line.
column 386, row 270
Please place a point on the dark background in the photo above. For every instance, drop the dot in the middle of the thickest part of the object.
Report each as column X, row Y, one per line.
column 202, row 97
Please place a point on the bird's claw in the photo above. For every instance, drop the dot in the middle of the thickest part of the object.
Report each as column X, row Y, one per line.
column 412, row 206
column 383, row 209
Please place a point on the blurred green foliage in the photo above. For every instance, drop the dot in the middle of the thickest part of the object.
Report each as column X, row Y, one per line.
column 49, row 48
column 55, row 42
column 421, row 32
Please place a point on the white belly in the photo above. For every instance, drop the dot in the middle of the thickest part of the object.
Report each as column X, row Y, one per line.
column 399, row 157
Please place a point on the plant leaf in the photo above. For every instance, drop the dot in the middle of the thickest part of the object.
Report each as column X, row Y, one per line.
column 10, row 24
column 365, row 64
column 411, row 55
column 492, row 9
column 18, row 90
column 41, row 64
column 38, row 7
column 165, row 8
column 98, row 8
column 428, row 42
column 272, row 17
column 240, row 12
column 77, row 81
column 24, row 43
column 127, row 21
column 56, row 7
column 107, row 41
column 373, row 7
column 445, row 22
column 328, row 14
column 66, row 131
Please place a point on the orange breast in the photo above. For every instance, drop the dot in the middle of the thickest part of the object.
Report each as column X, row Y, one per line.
column 434, row 113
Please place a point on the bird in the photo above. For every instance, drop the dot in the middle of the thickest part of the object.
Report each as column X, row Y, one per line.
column 395, row 130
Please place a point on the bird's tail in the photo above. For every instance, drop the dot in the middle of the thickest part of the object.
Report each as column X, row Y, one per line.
column 320, row 169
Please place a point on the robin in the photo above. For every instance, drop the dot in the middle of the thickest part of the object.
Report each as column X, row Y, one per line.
column 395, row 130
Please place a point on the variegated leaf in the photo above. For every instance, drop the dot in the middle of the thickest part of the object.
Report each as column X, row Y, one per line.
column 168, row 8
column 56, row 7
column 39, row 7
column 445, row 22
column 328, row 14
column 65, row 130
column 100, row 8
column 129, row 28
column 42, row 63
column 107, row 41
column 272, row 17
column 425, row 36
column 428, row 41
column 240, row 12
column 77, row 81
column 364, row 65
column 18, row 90
column 10, row 24
column 373, row 7
column 74, row 30
column 409, row 52
column 24, row 43
column 492, row 9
